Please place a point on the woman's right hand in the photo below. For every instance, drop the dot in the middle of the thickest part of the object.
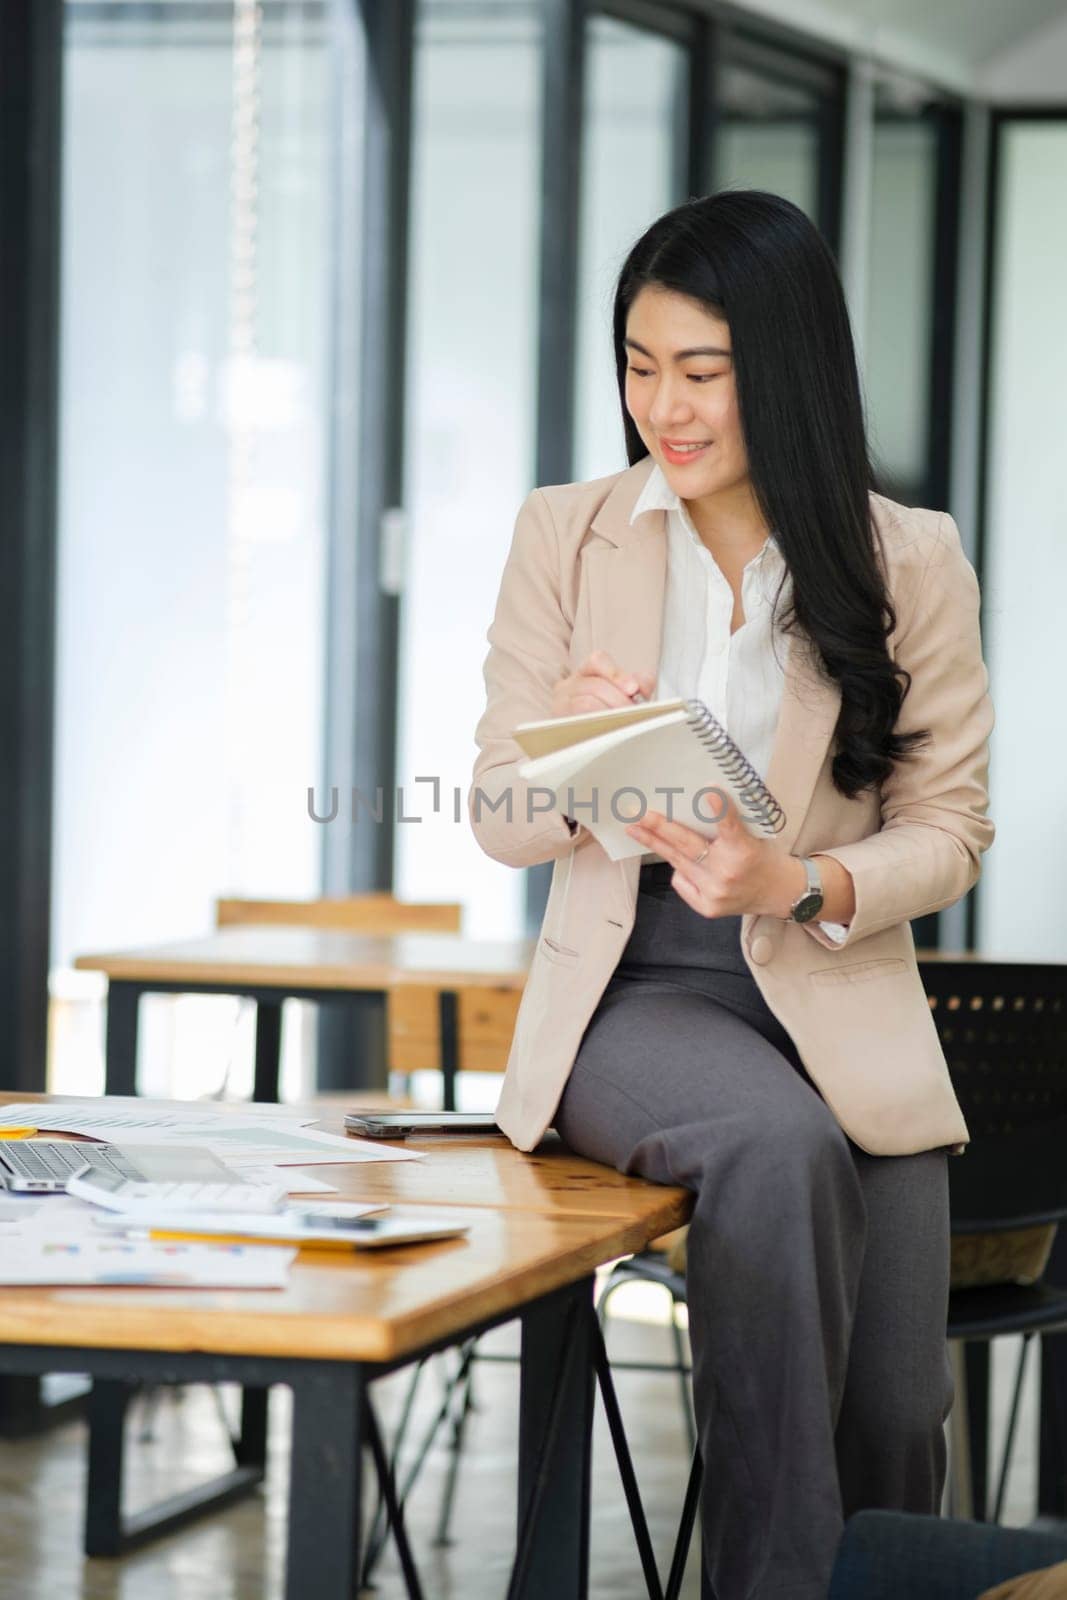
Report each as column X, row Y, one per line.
column 599, row 685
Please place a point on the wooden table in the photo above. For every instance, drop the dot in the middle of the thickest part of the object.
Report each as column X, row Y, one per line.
column 272, row 964
column 539, row 1227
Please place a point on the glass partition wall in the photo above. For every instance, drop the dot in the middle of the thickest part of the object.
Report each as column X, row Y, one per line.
column 634, row 144
column 194, row 368
column 1026, row 541
column 779, row 127
column 471, row 418
column 909, row 336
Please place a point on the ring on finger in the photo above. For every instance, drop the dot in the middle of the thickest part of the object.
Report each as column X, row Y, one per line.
column 698, row 859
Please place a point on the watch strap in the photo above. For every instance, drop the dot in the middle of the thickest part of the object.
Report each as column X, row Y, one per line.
column 813, row 888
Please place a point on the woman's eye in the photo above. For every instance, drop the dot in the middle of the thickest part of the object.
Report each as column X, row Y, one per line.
column 694, row 377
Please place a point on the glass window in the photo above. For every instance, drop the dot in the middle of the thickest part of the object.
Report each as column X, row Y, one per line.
column 898, row 348
column 194, row 366
column 633, row 154
column 1024, row 884
column 769, row 136
column 471, row 398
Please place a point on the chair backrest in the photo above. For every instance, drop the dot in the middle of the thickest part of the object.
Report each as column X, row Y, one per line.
column 361, row 913
column 1003, row 1027
column 485, row 1022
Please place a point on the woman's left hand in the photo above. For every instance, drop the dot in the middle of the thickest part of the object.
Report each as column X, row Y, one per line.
column 728, row 876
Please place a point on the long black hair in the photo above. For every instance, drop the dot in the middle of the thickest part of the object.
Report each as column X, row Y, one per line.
column 758, row 263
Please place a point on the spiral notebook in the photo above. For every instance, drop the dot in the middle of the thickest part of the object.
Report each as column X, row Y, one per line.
column 605, row 768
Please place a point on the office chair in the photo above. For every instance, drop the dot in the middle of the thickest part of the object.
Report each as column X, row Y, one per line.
column 1003, row 1026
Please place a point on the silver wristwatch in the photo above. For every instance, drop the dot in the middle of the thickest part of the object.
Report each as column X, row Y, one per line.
column 809, row 904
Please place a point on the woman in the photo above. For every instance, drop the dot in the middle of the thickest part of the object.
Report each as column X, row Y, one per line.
column 746, row 1018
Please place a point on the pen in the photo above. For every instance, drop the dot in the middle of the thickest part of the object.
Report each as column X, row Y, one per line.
column 18, row 1133
column 171, row 1235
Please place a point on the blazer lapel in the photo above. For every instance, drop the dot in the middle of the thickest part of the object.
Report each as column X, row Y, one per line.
column 627, row 575
column 811, row 703
column 626, row 590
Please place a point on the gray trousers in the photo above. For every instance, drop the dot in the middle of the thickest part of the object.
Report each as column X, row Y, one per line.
column 817, row 1274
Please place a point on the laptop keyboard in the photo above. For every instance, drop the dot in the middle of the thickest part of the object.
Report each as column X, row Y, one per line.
column 60, row 1159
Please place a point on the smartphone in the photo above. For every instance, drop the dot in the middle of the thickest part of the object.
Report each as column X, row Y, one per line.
column 401, row 1124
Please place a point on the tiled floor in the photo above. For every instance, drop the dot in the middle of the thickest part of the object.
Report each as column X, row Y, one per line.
column 239, row 1554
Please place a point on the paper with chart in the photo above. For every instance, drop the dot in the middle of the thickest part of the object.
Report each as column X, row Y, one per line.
column 104, row 1116
column 51, row 1262
column 50, row 1241
column 237, row 1138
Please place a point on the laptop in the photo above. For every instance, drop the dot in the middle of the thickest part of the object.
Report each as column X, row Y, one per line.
column 42, row 1166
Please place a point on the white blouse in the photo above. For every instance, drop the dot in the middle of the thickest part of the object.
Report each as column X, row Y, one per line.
column 741, row 676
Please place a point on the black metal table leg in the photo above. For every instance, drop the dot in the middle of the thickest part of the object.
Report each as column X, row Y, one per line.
column 976, row 1366
column 108, row 1404
column 120, row 1070
column 250, row 1446
column 324, row 1482
column 268, row 1049
column 1052, row 1449
column 109, row 1531
column 448, row 1026
column 555, row 1447
column 1052, row 1444
column 25, row 1410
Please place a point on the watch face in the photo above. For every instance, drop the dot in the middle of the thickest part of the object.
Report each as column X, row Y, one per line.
column 808, row 906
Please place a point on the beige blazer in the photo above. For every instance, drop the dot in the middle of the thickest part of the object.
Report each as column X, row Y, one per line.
column 579, row 577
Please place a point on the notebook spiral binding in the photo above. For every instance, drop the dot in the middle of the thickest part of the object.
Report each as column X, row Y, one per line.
column 758, row 802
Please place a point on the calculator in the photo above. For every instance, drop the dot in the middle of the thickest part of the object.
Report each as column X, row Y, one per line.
column 133, row 1196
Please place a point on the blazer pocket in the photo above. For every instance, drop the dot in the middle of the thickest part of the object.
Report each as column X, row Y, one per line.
column 857, row 971
column 559, row 953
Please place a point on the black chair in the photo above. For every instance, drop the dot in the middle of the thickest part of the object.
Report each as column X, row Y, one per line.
column 655, row 1266
column 1003, row 1027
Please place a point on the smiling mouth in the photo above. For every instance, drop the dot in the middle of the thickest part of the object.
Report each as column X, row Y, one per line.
column 685, row 450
